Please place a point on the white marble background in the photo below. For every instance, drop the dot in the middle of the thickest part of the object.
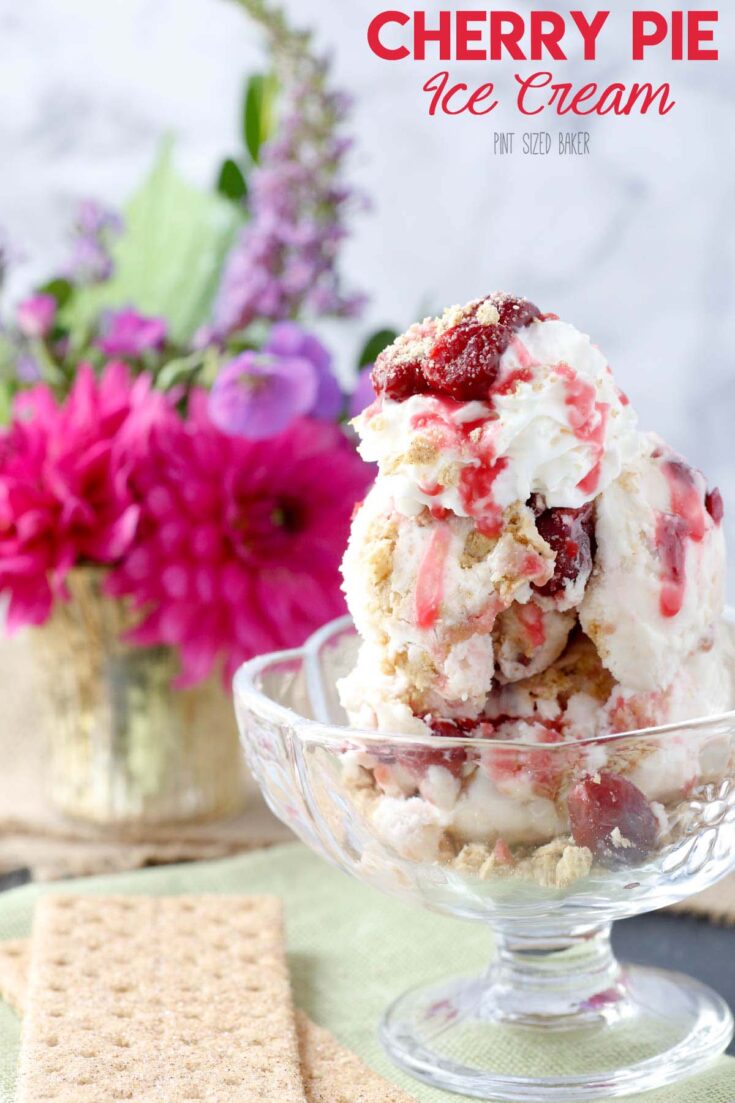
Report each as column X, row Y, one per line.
column 635, row 243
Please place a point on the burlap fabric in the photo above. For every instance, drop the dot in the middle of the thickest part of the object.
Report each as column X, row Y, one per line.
column 33, row 835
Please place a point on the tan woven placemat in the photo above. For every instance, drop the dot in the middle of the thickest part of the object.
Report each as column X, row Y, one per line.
column 33, row 835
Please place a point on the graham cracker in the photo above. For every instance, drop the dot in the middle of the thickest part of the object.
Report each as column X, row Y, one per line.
column 330, row 1073
column 14, row 960
column 159, row 999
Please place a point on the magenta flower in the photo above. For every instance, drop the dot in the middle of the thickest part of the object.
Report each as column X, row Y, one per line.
column 65, row 494
column 128, row 333
column 290, row 339
column 258, row 395
column 364, row 392
column 36, row 316
column 239, row 544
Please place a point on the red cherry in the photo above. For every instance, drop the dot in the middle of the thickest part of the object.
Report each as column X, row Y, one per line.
column 516, row 313
column 463, row 362
column 398, row 379
column 600, row 804
column 570, row 535
column 458, row 728
column 419, row 759
column 714, row 505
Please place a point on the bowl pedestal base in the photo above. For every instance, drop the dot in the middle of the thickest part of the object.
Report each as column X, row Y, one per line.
column 557, row 1019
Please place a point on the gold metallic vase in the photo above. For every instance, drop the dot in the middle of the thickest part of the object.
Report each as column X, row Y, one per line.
column 126, row 748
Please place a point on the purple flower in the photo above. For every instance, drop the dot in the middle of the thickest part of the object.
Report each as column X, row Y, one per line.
column 90, row 260
column 204, row 337
column 285, row 261
column 290, row 339
column 27, row 369
column 363, row 394
column 258, row 395
column 128, row 333
column 36, row 315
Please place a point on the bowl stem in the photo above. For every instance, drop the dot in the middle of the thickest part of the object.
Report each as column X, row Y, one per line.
column 558, row 983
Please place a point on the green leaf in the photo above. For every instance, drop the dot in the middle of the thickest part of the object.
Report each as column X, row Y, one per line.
column 178, row 371
column 7, row 392
column 259, row 111
column 253, row 336
column 60, row 289
column 231, row 182
column 9, row 383
column 375, row 345
column 168, row 260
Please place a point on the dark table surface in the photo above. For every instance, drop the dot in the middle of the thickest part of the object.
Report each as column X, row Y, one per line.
column 686, row 943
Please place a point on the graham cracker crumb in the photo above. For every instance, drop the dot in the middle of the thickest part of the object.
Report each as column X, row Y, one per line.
column 449, row 475
column 487, row 314
column 471, row 858
column 379, row 551
column 575, row 863
column 452, row 316
column 476, row 548
column 577, row 670
column 618, row 839
column 421, row 451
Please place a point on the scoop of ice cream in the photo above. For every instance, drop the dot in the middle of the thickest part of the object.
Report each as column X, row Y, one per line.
column 552, row 424
column 658, row 584
column 517, row 504
column 427, row 593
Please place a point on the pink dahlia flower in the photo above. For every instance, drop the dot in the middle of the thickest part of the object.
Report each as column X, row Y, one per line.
column 65, row 494
column 239, row 544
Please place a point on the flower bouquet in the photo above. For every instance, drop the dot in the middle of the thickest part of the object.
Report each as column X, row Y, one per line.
column 176, row 481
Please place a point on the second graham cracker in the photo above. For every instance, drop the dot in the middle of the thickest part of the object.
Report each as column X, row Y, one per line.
column 331, row 1073
column 14, row 956
column 157, row 999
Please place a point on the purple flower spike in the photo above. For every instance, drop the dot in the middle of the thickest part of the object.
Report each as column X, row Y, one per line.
column 258, row 395
column 36, row 315
column 90, row 261
column 363, row 394
column 131, row 334
column 290, row 339
column 285, row 263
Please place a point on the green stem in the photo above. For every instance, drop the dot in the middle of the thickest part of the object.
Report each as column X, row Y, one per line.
column 286, row 43
column 51, row 371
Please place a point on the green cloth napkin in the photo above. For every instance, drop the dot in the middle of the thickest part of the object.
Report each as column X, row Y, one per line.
column 351, row 951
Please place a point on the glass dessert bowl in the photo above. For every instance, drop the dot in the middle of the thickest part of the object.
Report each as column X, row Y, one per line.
column 562, row 844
